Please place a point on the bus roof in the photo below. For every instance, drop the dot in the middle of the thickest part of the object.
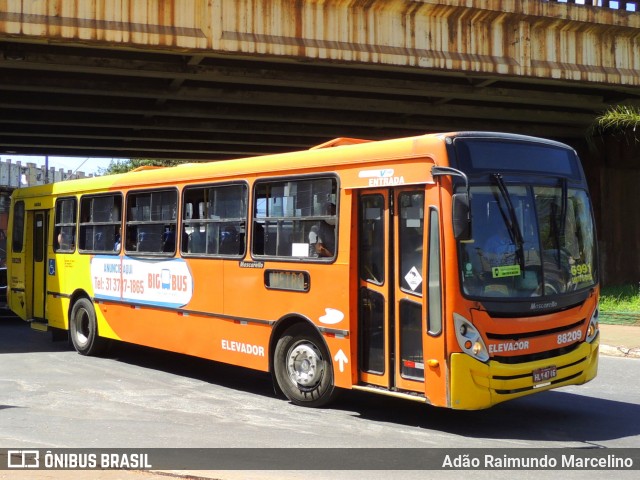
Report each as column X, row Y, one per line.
column 343, row 152
column 334, row 154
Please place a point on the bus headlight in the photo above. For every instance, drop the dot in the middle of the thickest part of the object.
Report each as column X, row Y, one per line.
column 593, row 329
column 469, row 338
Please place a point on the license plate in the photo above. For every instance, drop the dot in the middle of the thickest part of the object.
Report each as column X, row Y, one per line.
column 544, row 374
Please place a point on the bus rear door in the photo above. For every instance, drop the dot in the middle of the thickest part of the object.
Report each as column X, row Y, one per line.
column 37, row 223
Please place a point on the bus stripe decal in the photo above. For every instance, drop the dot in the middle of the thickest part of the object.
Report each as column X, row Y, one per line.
column 185, row 312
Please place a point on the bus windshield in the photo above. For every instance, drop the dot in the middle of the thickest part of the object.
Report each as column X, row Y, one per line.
column 528, row 241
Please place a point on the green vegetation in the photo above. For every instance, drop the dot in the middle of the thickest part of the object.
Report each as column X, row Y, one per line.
column 622, row 298
column 619, row 119
column 620, row 305
column 123, row 166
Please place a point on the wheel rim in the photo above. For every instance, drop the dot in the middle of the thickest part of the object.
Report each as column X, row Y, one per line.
column 304, row 365
column 81, row 329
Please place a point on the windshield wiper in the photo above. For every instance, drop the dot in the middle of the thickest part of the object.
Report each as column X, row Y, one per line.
column 558, row 227
column 563, row 207
column 512, row 222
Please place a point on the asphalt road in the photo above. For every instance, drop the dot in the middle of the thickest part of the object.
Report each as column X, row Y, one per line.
column 51, row 397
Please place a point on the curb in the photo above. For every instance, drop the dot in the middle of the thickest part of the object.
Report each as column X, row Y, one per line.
column 620, row 318
column 620, row 351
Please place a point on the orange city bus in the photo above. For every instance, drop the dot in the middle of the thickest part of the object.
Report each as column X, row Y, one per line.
column 459, row 270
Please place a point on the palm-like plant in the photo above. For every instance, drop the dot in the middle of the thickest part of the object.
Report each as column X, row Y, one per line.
column 619, row 119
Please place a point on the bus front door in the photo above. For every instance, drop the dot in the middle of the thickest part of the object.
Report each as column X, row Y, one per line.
column 39, row 274
column 390, row 269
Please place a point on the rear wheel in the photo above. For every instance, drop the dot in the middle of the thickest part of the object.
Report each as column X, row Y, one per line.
column 303, row 368
column 83, row 328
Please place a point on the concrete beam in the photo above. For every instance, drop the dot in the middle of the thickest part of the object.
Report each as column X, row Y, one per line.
column 527, row 38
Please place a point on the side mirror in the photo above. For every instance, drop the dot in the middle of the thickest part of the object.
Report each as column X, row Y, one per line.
column 461, row 209
column 461, row 217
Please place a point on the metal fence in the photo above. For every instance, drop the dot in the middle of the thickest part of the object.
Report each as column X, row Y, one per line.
column 630, row 6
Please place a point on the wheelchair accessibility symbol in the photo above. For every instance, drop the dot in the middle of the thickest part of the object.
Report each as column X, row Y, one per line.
column 52, row 267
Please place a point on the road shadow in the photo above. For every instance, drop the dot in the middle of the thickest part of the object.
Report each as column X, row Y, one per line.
column 222, row 374
column 547, row 416
column 556, row 416
column 17, row 336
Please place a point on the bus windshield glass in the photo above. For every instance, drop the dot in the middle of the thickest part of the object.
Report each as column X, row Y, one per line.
column 528, row 241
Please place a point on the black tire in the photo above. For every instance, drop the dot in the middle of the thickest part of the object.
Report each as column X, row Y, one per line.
column 83, row 328
column 303, row 368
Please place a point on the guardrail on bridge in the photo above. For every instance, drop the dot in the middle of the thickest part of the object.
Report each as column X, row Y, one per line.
column 630, row 6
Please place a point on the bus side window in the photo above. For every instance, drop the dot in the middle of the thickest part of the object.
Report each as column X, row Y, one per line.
column 65, row 225
column 258, row 238
column 197, row 241
column 131, row 244
column 411, row 233
column 295, row 218
column 64, row 240
column 100, row 223
column 150, row 239
column 152, row 222
column 168, row 240
column 17, row 236
column 214, row 220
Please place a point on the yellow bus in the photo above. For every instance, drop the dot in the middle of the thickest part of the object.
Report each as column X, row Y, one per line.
column 458, row 270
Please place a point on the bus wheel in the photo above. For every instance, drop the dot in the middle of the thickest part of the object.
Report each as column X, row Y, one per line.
column 83, row 328
column 303, row 368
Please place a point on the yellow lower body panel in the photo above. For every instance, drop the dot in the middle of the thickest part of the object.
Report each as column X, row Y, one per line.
column 476, row 385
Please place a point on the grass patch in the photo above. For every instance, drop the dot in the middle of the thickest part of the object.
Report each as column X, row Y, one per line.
column 622, row 298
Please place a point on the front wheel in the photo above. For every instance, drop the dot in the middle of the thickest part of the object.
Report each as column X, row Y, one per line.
column 83, row 328
column 303, row 368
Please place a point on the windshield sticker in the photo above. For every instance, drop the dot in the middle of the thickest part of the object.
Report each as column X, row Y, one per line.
column 413, row 278
column 581, row 273
column 468, row 270
column 505, row 271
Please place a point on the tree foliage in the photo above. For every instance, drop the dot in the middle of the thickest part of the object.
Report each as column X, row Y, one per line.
column 123, row 166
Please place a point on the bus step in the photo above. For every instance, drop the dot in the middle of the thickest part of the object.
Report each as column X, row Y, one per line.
column 39, row 326
column 408, row 396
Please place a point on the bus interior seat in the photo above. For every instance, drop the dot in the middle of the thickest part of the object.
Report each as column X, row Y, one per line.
column 197, row 242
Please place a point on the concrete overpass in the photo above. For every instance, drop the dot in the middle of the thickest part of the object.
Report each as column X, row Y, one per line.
column 209, row 79
column 213, row 79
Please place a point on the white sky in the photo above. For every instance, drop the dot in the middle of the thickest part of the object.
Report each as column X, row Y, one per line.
column 81, row 164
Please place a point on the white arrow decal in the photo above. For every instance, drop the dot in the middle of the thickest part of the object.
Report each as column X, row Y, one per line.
column 341, row 358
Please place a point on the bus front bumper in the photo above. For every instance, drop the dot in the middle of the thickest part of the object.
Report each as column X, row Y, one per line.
column 476, row 385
